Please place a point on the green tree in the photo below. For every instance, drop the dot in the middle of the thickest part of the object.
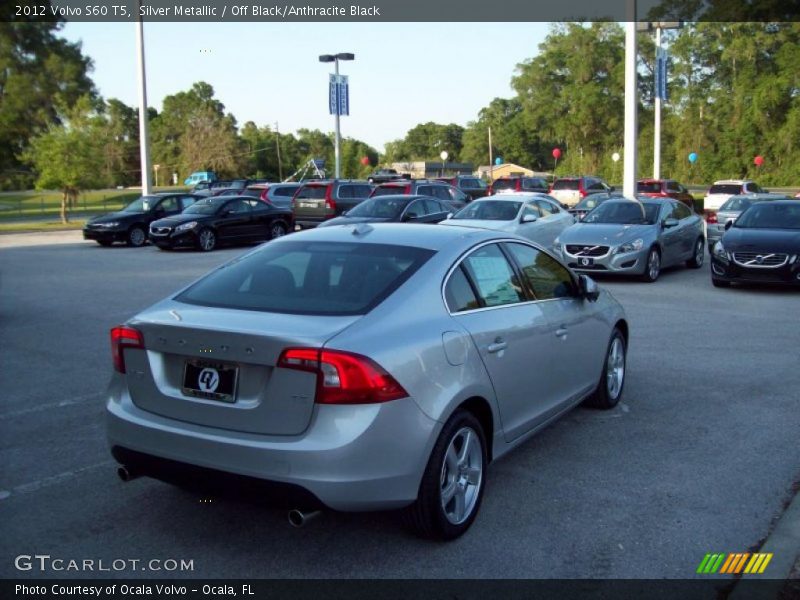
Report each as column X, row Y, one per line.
column 38, row 73
column 69, row 155
column 426, row 141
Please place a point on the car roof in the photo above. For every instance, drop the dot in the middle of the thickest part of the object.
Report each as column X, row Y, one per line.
column 733, row 181
column 402, row 234
column 518, row 196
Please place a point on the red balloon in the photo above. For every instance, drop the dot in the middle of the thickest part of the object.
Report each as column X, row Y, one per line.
column 758, row 160
column 556, row 153
column 365, row 160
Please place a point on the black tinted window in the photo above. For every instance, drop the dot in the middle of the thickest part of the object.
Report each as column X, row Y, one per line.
column 726, row 188
column 566, row 184
column 285, row 190
column 681, row 211
column 389, row 190
column 544, row 275
column 317, row 278
column 504, row 184
column 459, row 294
column 312, row 192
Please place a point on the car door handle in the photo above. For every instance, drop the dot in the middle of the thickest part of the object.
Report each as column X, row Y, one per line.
column 499, row 344
column 561, row 331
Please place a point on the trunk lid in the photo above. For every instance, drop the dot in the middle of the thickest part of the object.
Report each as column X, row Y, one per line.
column 265, row 399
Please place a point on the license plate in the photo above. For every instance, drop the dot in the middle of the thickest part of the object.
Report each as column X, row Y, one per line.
column 586, row 262
column 307, row 205
column 210, row 380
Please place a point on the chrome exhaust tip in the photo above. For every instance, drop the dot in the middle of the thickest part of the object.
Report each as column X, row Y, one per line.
column 297, row 518
column 126, row 474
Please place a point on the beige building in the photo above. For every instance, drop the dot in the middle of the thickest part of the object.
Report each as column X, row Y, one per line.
column 509, row 170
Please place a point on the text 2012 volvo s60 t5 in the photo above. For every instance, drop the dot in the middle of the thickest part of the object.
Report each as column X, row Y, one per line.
column 364, row 367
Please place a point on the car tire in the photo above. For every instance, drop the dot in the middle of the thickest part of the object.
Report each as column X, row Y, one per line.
column 104, row 243
column 462, row 477
column 206, row 240
column 698, row 255
column 720, row 283
column 136, row 237
column 277, row 229
column 612, row 380
column 652, row 268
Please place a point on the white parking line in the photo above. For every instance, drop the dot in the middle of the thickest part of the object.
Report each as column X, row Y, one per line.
column 49, row 406
column 34, row 486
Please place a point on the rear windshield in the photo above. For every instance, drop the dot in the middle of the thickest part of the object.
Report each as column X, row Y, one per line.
column 726, row 188
column 648, row 187
column 312, row 192
column 489, row 210
column 309, row 278
column 384, row 207
column 504, row 184
column 386, row 190
column 566, row 184
column 736, row 204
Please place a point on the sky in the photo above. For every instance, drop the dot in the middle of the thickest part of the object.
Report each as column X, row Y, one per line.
column 403, row 74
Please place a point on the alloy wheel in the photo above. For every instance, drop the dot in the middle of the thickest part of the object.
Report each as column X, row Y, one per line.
column 276, row 231
column 461, row 475
column 136, row 237
column 207, row 240
column 653, row 265
column 615, row 368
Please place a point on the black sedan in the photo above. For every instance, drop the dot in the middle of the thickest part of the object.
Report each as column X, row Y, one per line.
column 398, row 208
column 762, row 245
column 229, row 220
column 131, row 223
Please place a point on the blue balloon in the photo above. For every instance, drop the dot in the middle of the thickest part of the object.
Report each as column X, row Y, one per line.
column 693, row 157
column 498, row 161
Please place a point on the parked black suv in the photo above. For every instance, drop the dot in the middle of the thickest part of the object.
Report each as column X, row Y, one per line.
column 318, row 201
column 130, row 224
column 472, row 186
column 424, row 187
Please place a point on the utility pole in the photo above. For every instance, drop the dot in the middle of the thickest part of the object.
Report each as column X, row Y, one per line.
column 278, row 150
column 657, row 125
column 335, row 58
column 144, row 137
column 491, row 158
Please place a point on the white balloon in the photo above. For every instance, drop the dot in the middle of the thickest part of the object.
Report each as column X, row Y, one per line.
column 444, row 155
column 615, row 156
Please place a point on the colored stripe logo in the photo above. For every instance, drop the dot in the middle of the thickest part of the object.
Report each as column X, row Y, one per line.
column 734, row 563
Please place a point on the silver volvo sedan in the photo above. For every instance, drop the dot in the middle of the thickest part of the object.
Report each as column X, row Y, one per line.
column 363, row 367
column 634, row 237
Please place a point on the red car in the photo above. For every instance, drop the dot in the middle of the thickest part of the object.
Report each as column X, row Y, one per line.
column 665, row 188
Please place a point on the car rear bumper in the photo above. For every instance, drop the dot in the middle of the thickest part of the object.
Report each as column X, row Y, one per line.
column 351, row 458
column 726, row 270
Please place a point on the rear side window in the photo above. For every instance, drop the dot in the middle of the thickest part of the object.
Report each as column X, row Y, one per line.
column 345, row 191
column 459, row 294
column 387, row 190
column 493, row 276
column 739, row 204
column 566, row 184
column 309, row 278
column 726, row 188
column 286, row 190
column 312, row 192
column 361, row 191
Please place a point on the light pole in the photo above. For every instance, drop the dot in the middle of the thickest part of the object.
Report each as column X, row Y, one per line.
column 443, row 156
column 335, row 58
column 144, row 138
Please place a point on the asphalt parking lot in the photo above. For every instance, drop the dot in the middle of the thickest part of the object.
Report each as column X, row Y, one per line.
column 699, row 457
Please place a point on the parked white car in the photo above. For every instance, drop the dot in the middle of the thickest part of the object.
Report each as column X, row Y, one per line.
column 722, row 191
column 537, row 217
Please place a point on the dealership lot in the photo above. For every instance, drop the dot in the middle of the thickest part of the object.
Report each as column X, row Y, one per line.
column 698, row 458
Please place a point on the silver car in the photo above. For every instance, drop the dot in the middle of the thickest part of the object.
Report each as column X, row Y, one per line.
column 636, row 237
column 536, row 217
column 363, row 367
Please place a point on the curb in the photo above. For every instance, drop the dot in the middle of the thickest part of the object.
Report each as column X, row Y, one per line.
column 784, row 544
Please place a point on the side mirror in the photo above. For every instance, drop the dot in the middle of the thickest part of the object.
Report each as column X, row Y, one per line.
column 728, row 225
column 410, row 216
column 588, row 288
column 670, row 222
column 612, row 188
column 528, row 218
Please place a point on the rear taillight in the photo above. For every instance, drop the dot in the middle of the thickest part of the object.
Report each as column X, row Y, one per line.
column 711, row 218
column 407, row 189
column 124, row 337
column 581, row 189
column 343, row 377
column 489, row 189
column 329, row 201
